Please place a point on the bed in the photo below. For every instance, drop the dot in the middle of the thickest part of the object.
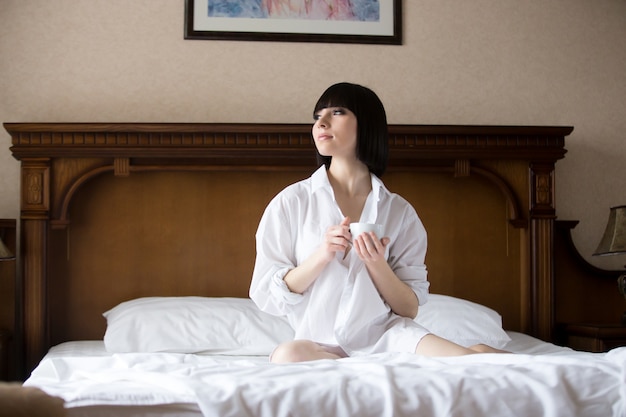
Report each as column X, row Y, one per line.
column 137, row 247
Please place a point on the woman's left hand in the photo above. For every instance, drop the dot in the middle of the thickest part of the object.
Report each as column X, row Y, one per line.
column 369, row 248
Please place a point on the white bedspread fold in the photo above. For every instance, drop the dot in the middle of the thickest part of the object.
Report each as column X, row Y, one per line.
column 566, row 383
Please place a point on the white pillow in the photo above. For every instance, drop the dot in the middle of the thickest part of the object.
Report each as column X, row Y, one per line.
column 219, row 325
column 236, row 326
column 462, row 322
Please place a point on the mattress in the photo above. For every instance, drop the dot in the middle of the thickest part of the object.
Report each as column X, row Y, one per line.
column 537, row 378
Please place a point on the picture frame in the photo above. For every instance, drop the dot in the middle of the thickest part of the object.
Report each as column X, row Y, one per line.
column 371, row 22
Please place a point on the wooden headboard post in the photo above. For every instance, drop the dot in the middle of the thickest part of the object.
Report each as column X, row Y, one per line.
column 57, row 159
column 542, row 217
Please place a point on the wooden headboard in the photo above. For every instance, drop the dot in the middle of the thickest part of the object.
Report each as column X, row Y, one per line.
column 116, row 211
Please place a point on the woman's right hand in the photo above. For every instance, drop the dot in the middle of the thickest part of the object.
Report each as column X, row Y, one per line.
column 337, row 239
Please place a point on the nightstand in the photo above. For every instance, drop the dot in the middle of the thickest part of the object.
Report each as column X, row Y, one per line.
column 594, row 337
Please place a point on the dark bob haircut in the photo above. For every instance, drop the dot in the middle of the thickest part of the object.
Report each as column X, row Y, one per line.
column 372, row 134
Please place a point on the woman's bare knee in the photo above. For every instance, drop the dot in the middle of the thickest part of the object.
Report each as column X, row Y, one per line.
column 294, row 351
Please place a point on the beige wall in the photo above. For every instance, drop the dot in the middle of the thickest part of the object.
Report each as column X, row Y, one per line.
column 541, row 62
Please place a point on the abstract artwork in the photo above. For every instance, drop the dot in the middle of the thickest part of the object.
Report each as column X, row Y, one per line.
column 341, row 21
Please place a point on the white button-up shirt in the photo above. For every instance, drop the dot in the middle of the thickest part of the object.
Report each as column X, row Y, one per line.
column 342, row 307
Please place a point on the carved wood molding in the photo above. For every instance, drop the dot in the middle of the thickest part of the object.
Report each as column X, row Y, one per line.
column 408, row 143
column 542, row 190
column 35, row 198
column 129, row 145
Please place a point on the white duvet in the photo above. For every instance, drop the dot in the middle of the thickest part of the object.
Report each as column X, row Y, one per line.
column 544, row 380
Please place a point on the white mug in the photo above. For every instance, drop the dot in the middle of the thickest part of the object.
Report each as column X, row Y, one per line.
column 357, row 228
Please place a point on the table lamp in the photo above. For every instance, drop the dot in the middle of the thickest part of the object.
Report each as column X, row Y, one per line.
column 614, row 243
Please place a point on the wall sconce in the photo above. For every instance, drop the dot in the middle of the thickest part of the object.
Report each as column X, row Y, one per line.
column 5, row 253
column 614, row 243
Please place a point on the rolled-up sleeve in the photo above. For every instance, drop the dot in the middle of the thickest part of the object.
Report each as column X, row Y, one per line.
column 408, row 253
column 274, row 259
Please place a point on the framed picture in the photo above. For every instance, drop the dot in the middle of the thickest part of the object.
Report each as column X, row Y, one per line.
column 338, row 21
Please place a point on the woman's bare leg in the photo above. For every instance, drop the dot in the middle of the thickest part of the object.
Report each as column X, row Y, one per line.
column 486, row 349
column 432, row 345
column 300, row 351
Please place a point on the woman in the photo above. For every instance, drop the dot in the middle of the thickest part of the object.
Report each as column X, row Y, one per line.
column 346, row 295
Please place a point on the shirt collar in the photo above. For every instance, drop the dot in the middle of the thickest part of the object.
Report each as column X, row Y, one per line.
column 377, row 185
column 319, row 179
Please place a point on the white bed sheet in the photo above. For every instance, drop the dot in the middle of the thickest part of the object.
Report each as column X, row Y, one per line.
column 539, row 379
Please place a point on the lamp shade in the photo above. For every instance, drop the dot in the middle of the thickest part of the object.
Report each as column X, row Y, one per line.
column 5, row 253
column 614, row 240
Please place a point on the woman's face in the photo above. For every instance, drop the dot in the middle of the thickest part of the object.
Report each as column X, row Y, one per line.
column 334, row 132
